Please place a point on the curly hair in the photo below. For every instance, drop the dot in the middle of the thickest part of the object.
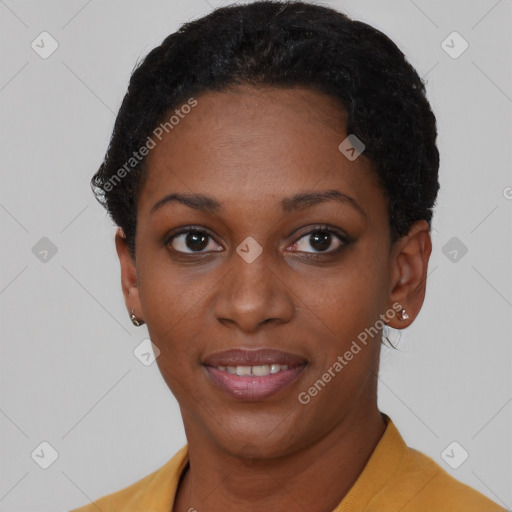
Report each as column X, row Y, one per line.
column 283, row 44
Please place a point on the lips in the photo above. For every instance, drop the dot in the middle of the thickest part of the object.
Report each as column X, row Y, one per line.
column 253, row 357
column 253, row 374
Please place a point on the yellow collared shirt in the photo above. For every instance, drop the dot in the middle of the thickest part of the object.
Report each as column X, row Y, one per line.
column 395, row 478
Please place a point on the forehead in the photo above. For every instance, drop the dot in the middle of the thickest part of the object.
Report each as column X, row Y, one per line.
column 255, row 143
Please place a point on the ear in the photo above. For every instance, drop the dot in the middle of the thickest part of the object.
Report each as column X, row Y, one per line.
column 128, row 275
column 409, row 262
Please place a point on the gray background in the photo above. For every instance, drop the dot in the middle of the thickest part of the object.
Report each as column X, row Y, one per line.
column 68, row 373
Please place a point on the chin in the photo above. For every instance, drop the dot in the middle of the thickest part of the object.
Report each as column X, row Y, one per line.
column 254, row 436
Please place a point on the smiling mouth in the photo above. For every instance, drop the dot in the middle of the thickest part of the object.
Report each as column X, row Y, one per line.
column 255, row 374
column 261, row 370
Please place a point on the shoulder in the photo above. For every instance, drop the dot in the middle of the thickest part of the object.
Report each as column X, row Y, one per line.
column 153, row 492
column 120, row 499
column 425, row 485
column 398, row 477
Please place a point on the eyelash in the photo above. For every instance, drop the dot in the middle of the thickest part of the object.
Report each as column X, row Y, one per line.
column 344, row 239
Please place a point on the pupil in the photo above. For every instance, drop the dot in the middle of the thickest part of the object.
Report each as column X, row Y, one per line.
column 196, row 238
column 321, row 240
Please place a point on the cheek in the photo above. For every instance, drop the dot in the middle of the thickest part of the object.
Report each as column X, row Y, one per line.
column 167, row 291
column 172, row 308
column 344, row 362
column 348, row 297
column 342, row 314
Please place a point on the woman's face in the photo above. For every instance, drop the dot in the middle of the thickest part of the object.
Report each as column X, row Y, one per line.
column 263, row 273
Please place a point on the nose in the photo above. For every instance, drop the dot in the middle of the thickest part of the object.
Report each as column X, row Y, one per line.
column 253, row 294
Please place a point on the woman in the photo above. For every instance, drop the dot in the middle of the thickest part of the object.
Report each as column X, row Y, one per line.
column 273, row 171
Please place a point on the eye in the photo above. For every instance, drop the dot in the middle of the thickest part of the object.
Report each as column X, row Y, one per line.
column 321, row 239
column 196, row 240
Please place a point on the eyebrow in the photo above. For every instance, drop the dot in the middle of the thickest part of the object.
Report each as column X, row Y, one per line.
column 296, row 202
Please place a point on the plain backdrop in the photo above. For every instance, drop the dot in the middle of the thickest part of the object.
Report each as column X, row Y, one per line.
column 69, row 376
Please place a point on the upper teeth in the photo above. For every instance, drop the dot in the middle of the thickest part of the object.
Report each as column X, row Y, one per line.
column 259, row 371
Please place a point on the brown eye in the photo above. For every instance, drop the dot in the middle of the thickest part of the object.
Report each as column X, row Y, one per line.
column 321, row 240
column 192, row 241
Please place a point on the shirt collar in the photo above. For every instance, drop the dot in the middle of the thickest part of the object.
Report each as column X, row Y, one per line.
column 383, row 463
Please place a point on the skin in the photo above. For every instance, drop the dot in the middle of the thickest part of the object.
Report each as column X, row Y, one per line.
column 248, row 148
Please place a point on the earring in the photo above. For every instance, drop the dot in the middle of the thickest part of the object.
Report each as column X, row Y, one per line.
column 135, row 320
column 404, row 315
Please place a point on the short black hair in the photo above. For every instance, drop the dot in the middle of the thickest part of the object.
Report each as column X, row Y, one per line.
column 283, row 44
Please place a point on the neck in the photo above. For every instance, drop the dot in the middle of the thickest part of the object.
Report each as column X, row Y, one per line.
column 315, row 478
